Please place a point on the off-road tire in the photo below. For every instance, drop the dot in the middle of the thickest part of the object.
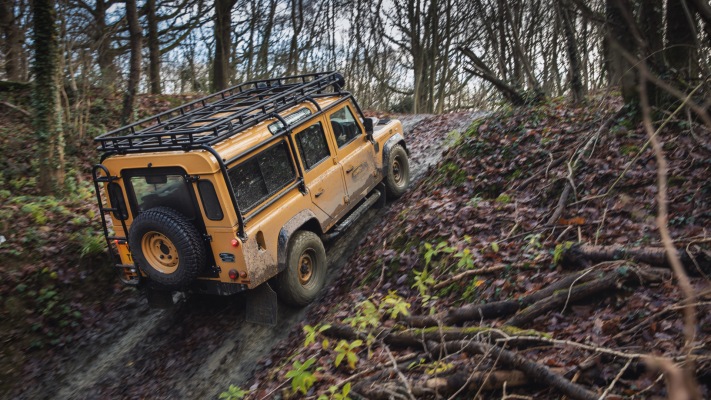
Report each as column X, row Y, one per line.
column 305, row 272
column 397, row 177
column 167, row 247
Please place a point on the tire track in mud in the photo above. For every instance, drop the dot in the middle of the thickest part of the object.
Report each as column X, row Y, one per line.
column 201, row 346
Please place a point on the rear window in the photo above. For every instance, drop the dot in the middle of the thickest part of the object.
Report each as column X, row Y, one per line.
column 162, row 190
column 262, row 175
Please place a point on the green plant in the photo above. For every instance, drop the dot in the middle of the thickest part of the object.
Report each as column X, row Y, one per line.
column 423, row 281
column 367, row 315
column 466, row 260
column 431, row 251
column 91, row 244
column 301, row 378
column 348, row 351
column 394, row 305
column 312, row 332
column 335, row 394
column 533, row 241
column 234, row 393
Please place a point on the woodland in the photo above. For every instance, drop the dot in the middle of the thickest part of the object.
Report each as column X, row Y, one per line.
column 557, row 247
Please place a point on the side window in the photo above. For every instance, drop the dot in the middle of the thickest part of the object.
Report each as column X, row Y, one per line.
column 344, row 126
column 312, row 145
column 262, row 175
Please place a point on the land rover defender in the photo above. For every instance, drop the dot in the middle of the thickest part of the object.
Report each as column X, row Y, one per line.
column 242, row 187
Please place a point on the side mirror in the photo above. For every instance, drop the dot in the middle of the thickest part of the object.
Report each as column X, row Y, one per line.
column 368, row 124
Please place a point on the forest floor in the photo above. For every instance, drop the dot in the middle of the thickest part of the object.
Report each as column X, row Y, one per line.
column 479, row 275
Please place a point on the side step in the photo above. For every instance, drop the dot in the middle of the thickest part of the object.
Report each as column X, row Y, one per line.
column 365, row 205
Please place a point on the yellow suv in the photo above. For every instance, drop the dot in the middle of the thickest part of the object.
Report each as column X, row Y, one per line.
column 242, row 187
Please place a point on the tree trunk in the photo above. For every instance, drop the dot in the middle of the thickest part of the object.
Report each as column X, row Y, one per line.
column 297, row 24
column 263, row 53
column 134, row 73
column 620, row 40
column 681, row 47
column 45, row 98
column 102, row 42
column 153, row 47
column 223, row 32
column 576, row 82
column 12, row 41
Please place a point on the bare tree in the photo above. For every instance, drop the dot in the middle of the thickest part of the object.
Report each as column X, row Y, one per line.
column 13, row 39
column 134, row 73
column 223, row 34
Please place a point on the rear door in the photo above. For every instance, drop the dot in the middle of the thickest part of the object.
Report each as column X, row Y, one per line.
column 323, row 176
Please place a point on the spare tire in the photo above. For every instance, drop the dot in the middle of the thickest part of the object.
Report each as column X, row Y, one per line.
column 167, row 247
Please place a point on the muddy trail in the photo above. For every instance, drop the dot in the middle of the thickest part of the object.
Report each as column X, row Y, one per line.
column 203, row 344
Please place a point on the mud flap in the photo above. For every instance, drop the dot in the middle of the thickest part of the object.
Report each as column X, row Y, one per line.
column 159, row 299
column 261, row 303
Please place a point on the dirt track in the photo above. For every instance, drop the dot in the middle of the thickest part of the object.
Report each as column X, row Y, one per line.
column 201, row 346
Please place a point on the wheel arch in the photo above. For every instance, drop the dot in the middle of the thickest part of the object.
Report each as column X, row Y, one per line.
column 304, row 220
column 396, row 139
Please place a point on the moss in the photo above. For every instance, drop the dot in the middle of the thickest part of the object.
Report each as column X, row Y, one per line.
column 474, row 330
column 453, row 173
column 503, row 199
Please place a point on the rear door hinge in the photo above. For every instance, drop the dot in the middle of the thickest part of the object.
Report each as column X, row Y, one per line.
column 192, row 178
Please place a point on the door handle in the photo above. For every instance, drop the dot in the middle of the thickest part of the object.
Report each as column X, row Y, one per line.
column 349, row 169
column 319, row 193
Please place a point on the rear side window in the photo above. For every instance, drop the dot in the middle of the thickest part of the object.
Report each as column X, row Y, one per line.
column 209, row 199
column 312, row 145
column 262, row 175
column 117, row 201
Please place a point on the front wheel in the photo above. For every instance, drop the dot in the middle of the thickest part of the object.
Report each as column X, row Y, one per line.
column 397, row 178
column 305, row 272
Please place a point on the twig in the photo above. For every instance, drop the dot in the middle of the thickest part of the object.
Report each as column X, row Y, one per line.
column 16, row 108
column 570, row 288
column 602, row 223
column 614, row 381
column 662, row 218
column 561, row 204
column 399, row 373
column 478, row 271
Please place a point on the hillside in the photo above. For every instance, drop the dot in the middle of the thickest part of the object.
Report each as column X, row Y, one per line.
column 491, row 265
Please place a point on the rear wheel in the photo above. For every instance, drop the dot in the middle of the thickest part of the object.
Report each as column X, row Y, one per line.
column 167, row 247
column 397, row 178
column 305, row 272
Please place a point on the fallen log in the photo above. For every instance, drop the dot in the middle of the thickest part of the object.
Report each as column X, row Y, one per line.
column 562, row 297
column 475, row 312
column 536, row 372
column 656, row 256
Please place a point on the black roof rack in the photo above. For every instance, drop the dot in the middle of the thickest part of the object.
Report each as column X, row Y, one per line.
column 214, row 118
